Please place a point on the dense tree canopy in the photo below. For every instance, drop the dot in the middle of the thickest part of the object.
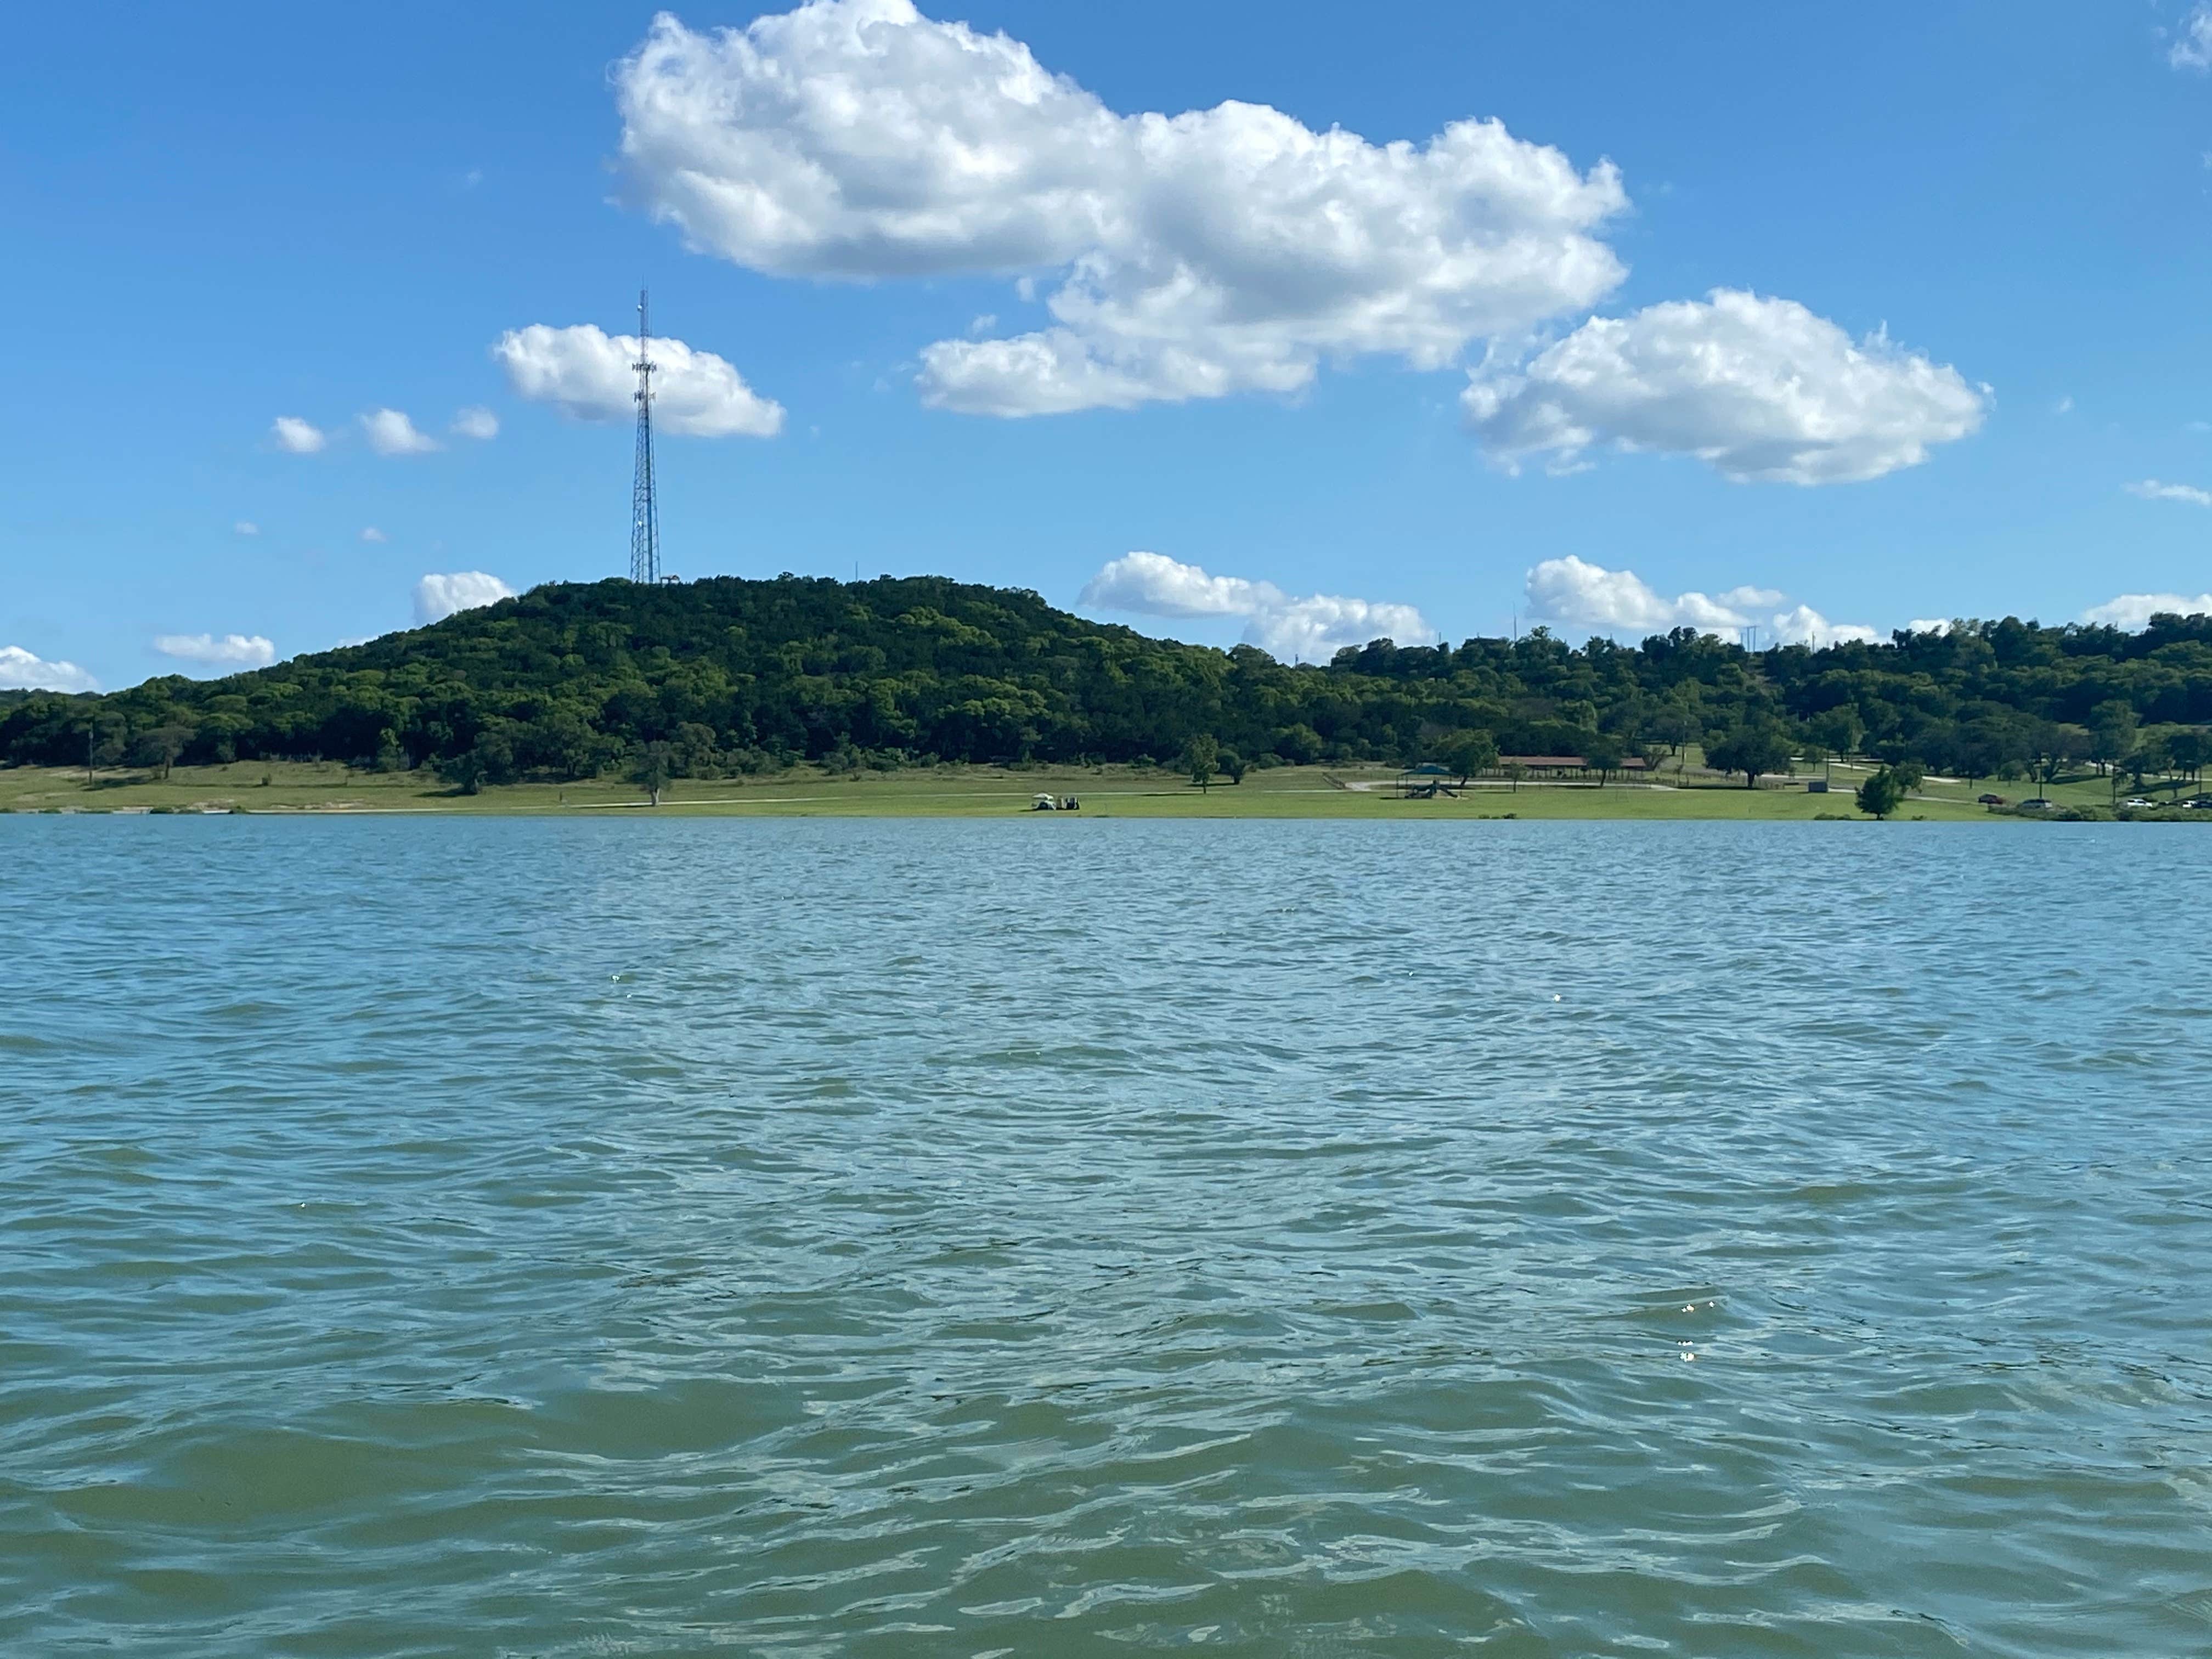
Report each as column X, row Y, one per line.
column 731, row 675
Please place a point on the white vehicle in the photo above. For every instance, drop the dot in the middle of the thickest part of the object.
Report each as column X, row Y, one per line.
column 2135, row 802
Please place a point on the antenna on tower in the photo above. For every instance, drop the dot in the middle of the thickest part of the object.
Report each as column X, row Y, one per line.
column 644, row 511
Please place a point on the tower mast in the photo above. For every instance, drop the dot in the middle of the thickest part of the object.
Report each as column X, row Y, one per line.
column 644, row 511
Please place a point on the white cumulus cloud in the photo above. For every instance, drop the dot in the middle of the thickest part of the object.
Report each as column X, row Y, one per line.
column 476, row 421
column 1761, row 389
column 2152, row 491
column 1802, row 625
column 2133, row 611
column 1929, row 625
column 587, row 374
column 297, row 437
column 1153, row 584
column 231, row 650
column 24, row 671
column 1311, row 629
column 390, row 433
column 1573, row 593
column 1194, row 254
column 2192, row 47
column 1576, row 593
column 246, row 527
column 438, row 596
column 1315, row 627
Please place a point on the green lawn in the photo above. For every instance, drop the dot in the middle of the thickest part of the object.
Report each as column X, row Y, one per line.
column 972, row 792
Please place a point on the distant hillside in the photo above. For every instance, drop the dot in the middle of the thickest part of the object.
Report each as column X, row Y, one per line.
column 738, row 675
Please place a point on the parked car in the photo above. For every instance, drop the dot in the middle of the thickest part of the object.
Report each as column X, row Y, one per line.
column 2034, row 804
column 2135, row 803
column 1989, row 800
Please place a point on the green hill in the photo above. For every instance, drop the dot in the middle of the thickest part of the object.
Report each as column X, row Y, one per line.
column 738, row 675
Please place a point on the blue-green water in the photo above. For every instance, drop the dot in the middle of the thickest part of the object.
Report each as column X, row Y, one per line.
column 519, row 1237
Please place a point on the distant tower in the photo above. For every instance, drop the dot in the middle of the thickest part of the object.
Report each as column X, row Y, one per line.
column 644, row 513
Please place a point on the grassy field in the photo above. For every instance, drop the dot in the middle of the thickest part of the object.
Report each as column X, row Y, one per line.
column 972, row 792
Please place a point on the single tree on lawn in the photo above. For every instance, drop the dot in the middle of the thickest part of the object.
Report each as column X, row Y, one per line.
column 464, row 772
column 157, row 750
column 106, row 739
column 1839, row 730
column 2112, row 730
column 1604, row 752
column 1752, row 750
column 2187, row 749
column 652, row 769
column 2149, row 758
column 2131, row 766
column 491, row 759
column 1470, row 752
column 1676, row 722
column 1881, row 794
column 1202, row 758
column 1231, row 765
column 2049, row 745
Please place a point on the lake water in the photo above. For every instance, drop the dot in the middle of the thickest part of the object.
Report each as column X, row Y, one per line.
column 1063, row 1238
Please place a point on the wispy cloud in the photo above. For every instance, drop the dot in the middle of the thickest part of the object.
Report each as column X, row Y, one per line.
column 2151, row 490
column 2192, row 45
column 297, row 437
column 372, row 534
column 476, row 421
column 230, row 650
column 246, row 527
column 390, row 433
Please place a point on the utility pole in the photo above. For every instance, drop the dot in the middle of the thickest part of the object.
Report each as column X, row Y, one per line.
column 644, row 511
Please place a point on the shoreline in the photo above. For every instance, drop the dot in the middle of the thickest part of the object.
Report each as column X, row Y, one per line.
column 326, row 789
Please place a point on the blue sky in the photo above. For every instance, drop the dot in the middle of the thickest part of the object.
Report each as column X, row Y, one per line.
column 217, row 216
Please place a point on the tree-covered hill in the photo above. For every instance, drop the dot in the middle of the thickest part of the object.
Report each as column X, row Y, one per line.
column 738, row 675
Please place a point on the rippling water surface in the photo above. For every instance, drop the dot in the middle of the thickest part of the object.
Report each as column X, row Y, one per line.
column 519, row 1237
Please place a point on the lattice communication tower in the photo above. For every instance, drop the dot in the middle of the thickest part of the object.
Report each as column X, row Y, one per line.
column 644, row 511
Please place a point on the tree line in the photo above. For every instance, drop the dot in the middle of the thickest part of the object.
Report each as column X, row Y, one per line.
column 730, row 676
